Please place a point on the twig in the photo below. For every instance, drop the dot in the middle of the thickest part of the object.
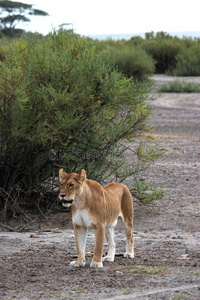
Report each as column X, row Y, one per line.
column 7, row 227
column 19, row 229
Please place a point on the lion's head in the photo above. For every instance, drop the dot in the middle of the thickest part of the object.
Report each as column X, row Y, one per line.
column 71, row 186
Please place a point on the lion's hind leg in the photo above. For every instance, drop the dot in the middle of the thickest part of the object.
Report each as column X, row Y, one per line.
column 127, row 217
column 129, row 240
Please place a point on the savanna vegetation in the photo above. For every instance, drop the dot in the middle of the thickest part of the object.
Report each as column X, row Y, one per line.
column 180, row 86
column 64, row 104
column 67, row 101
column 156, row 53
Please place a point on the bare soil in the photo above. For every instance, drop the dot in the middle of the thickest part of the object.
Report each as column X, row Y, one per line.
column 35, row 265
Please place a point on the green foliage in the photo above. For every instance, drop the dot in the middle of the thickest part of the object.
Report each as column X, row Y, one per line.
column 159, row 35
column 188, row 61
column 63, row 104
column 2, row 53
column 180, row 86
column 145, row 193
column 131, row 59
column 134, row 63
column 147, row 153
column 164, row 52
column 109, row 43
column 135, row 41
column 161, row 52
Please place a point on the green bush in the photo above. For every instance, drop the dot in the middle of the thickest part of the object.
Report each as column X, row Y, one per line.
column 62, row 104
column 164, row 52
column 134, row 63
column 2, row 53
column 180, row 86
column 188, row 61
column 135, row 41
column 101, row 45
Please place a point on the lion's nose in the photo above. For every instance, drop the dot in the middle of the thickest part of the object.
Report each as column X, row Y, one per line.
column 62, row 195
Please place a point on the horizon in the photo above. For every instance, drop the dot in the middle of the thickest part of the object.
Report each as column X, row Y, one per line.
column 126, row 36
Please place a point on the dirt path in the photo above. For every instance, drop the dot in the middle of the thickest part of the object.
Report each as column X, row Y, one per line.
column 35, row 265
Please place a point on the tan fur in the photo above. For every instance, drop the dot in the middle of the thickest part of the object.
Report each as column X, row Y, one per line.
column 97, row 207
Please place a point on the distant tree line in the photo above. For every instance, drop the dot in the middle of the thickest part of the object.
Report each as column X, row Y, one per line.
column 138, row 57
column 156, row 53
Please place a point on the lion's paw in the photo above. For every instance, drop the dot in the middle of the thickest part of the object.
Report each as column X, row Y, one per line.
column 76, row 264
column 108, row 258
column 96, row 265
column 129, row 255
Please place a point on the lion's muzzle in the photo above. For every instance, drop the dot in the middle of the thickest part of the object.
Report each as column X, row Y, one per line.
column 67, row 201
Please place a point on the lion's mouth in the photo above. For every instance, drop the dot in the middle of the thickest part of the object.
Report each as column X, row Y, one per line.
column 67, row 201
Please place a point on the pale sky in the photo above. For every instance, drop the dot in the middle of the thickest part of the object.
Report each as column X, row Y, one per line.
column 90, row 17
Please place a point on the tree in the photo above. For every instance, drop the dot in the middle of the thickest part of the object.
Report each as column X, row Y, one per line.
column 12, row 13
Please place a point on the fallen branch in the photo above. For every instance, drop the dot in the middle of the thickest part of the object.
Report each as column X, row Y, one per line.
column 19, row 229
column 6, row 227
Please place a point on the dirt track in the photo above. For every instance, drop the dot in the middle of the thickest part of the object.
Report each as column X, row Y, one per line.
column 35, row 265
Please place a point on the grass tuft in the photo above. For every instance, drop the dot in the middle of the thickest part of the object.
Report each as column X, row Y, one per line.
column 180, row 86
column 146, row 269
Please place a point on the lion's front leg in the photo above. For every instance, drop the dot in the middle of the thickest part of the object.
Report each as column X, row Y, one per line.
column 81, row 236
column 111, row 244
column 98, row 250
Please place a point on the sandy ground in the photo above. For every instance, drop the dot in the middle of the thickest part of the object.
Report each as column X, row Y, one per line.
column 35, row 265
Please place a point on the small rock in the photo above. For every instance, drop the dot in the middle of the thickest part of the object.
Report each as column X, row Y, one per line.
column 32, row 236
column 184, row 256
column 119, row 273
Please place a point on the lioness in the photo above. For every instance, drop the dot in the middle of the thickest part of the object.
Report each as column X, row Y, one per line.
column 97, row 207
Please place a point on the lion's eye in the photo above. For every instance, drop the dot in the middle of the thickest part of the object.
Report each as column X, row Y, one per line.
column 71, row 185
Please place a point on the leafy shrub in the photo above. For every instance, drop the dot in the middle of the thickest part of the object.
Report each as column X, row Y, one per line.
column 135, row 41
column 101, row 45
column 188, row 61
column 134, row 62
column 169, row 54
column 2, row 53
column 164, row 52
column 145, row 193
column 180, row 86
column 62, row 104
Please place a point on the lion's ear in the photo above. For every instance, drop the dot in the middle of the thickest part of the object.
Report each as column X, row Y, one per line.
column 62, row 173
column 82, row 176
